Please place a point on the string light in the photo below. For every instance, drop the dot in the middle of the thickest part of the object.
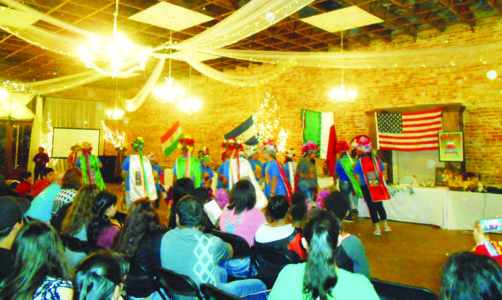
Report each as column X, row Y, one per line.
column 46, row 140
column 267, row 123
column 113, row 137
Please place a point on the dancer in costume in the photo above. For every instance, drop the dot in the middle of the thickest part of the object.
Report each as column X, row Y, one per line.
column 90, row 165
column 184, row 167
column 75, row 153
column 344, row 173
column 222, row 183
column 369, row 172
column 307, row 172
column 290, row 168
column 276, row 182
column 237, row 168
column 138, row 174
column 253, row 155
column 207, row 171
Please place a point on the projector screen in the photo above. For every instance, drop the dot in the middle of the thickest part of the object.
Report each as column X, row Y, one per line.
column 64, row 138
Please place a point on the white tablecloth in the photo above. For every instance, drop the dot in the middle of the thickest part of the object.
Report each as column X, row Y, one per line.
column 440, row 207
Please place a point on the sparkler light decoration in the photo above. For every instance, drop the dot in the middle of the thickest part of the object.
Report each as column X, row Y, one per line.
column 267, row 123
column 113, row 137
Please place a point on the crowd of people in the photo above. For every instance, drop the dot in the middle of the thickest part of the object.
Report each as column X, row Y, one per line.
column 268, row 204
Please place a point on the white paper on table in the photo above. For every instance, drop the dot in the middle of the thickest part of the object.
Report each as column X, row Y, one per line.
column 213, row 211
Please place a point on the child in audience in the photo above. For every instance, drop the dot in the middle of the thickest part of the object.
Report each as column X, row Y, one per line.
column 47, row 177
column 319, row 277
column 24, row 186
column 101, row 230
column 40, row 268
column 299, row 216
column 139, row 240
column 279, row 233
column 470, row 276
column 181, row 188
column 351, row 255
column 41, row 205
column 101, row 276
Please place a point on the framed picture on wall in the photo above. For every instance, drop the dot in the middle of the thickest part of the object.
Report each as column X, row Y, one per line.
column 451, row 146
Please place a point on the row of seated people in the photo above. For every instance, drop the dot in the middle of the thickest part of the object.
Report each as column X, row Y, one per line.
column 187, row 250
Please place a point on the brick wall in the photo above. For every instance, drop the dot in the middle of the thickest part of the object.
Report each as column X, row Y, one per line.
column 225, row 106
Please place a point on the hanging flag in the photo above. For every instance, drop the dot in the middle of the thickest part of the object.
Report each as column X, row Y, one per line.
column 331, row 153
column 245, row 133
column 317, row 128
column 415, row 131
column 170, row 139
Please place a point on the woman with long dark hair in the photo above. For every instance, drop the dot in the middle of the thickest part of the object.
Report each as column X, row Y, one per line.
column 40, row 268
column 139, row 240
column 100, row 276
column 319, row 277
column 101, row 230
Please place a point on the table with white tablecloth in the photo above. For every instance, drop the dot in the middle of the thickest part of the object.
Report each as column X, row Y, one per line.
column 439, row 206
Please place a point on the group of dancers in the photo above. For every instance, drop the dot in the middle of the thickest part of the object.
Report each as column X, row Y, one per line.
column 358, row 169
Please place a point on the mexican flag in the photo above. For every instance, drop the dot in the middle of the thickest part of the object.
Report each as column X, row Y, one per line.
column 317, row 128
column 170, row 139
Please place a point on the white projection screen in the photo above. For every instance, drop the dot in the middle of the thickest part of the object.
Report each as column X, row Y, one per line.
column 64, row 138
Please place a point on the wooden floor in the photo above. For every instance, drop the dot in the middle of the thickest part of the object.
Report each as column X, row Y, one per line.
column 412, row 254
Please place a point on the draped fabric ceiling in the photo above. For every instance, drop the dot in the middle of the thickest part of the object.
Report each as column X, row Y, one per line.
column 217, row 40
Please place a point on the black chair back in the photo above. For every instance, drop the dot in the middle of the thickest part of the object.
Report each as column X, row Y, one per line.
column 269, row 262
column 211, row 292
column 138, row 283
column 72, row 243
column 176, row 284
column 90, row 248
column 239, row 244
column 395, row 291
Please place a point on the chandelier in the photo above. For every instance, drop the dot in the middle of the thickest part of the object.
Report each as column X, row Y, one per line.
column 190, row 105
column 116, row 53
column 168, row 92
column 341, row 94
column 115, row 113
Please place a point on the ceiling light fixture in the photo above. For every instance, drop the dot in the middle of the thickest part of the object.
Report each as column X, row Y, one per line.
column 116, row 113
column 116, row 52
column 190, row 105
column 341, row 94
column 168, row 92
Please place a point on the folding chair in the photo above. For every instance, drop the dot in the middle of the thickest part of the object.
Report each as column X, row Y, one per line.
column 269, row 262
column 139, row 283
column 175, row 284
column 395, row 291
column 239, row 244
column 211, row 292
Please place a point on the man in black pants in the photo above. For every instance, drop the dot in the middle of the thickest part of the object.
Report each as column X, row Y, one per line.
column 40, row 159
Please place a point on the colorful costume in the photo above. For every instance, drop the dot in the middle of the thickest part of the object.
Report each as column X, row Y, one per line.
column 190, row 167
column 207, row 173
column 307, row 185
column 72, row 158
column 273, row 169
column 90, row 166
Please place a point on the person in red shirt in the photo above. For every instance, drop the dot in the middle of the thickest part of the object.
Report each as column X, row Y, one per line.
column 40, row 159
column 47, row 177
column 486, row 247
column 24, row 185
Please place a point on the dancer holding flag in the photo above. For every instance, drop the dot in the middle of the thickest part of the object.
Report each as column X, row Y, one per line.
column 187, row 166
column 138, row 175
column 369, row 172
column 90, row 165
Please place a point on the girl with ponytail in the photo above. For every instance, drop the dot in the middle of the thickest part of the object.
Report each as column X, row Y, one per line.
column 101, row 231
column 320, row 278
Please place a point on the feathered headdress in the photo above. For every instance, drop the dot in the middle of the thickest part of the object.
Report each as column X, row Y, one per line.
column 204, row 154
column 361, row 143
column 309, row 147
column 86, row 147
column 138, row 144
column 342, row 146
column 269, row 147
column 152, row 157
column 187, row 142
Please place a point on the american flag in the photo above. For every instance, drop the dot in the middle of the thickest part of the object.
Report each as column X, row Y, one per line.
column 415, row 131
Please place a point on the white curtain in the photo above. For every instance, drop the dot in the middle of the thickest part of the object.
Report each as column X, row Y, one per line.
column 70, row 113
column 36, row 132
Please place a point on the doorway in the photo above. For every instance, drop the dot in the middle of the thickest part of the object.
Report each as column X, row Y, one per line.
column 15, row 137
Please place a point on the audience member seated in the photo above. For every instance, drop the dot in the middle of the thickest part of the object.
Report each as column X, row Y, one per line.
column 351, row 255
column 470, row 276
column 279, row 233
column 78, row 217
column 241, row 217
column 46, row 178
column 486, row 247
column 72, row 182
column 11, row 221
column 40, row 208
column 299, row 216
column 181, row 188
column 139, row 239
column 24, row 186
column 101, row 231
column 100, row 276
column 319, row 277
column 202, row 194
column 186, row 250
column 40, row 269
column 5, row 190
